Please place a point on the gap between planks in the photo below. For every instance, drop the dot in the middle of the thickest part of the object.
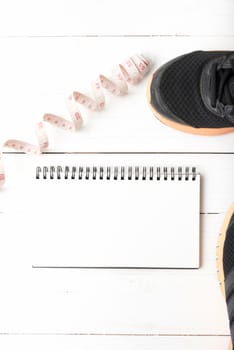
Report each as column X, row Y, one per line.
column 119, row 334
column 176, row 35
column 92, row 152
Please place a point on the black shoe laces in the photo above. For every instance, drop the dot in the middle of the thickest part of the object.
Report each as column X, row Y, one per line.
column 222, row 90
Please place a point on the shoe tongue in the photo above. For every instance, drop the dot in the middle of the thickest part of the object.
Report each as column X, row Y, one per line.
column 226, row 94
column 231, row 86
column 229, row 112
column 217, row 87
column 222, row 91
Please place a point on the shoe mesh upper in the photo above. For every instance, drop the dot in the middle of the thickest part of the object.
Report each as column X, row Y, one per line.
column 228, row 253
column 180, row 91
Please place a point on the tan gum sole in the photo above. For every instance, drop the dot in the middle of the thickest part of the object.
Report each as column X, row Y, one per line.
column 182, row 127
column 219, row 252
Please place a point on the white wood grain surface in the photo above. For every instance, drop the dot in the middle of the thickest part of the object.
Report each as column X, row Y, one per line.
column 116, row 302
column 71, row 17
column 48, row 49
column 48, row 69
column 73, row 342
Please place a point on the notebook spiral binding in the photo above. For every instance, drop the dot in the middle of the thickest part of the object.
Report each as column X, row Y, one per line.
column 116, row 173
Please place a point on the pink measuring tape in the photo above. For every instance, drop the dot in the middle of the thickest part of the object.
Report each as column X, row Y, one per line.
column 130, row 71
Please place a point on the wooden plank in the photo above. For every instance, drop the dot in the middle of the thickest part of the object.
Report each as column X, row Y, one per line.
column 63, row 342
column 117, row 18
column 48, row 69
column 216, row 174
column 111, row 302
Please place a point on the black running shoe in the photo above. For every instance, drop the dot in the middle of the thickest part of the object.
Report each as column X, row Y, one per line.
column 225, row 265
column 195, row 92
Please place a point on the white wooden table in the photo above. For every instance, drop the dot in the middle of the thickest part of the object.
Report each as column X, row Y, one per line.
column 48, row 49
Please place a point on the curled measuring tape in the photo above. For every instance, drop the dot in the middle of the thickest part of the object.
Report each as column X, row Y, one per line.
column 131, row 71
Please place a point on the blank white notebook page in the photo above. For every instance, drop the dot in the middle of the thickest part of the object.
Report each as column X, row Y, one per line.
column 116, row 217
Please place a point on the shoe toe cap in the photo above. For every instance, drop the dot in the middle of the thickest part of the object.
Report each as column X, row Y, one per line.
column 157, row 100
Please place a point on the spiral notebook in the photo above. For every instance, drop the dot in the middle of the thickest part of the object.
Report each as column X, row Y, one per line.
column 97, row 211
column 117, row 217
